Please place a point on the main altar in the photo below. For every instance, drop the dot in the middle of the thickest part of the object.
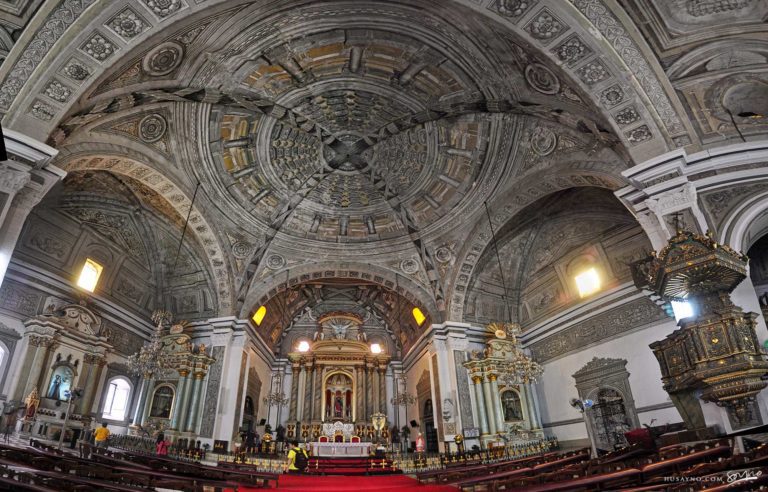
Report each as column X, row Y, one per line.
column 338, row 385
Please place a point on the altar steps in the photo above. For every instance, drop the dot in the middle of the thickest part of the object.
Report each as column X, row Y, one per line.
column 350, row 466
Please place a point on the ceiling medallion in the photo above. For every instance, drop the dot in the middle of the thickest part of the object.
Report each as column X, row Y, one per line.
column 543, row 141
column 409, row 266
column 542, row 79
column 242, row 249
column 275, row 262
column 163, row 59
column 443, row 254
column 152, row 128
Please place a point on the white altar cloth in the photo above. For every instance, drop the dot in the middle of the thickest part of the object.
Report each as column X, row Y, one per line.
column 340, row 449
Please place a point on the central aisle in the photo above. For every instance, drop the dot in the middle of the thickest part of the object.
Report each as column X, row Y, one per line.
column 357, row 484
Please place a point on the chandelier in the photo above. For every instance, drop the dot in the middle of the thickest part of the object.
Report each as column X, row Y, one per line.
column 277, row 397
column 150, row 360
column 402, row 399
column 514, row 366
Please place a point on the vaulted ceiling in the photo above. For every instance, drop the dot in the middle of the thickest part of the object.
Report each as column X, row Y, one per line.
column 336, row 139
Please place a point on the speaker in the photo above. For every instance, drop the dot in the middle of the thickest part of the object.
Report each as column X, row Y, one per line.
column 414, row 423
column 262, row 421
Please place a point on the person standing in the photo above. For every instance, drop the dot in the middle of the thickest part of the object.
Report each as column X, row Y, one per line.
column 161, row 445
column 297, row 459
column 420, row 444
column 101, row 436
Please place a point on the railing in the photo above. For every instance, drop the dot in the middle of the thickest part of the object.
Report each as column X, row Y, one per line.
column 419, row 462
column 148, row 446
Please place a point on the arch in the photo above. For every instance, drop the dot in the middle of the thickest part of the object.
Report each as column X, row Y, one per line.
column 512, row 405
column 117, row 400
column 269, row 287
column 526, row 192
column 324, row 402
column 163, row 401
column 746, row 223
column 120, row 161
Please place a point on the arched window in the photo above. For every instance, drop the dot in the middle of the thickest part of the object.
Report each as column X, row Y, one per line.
column 116, row 402
column 162, row 402
column 513, row 408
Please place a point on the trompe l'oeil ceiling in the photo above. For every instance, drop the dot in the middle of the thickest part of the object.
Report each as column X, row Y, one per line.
column 339, row 139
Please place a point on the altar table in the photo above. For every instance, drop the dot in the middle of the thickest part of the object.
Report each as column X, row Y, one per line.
column 340, row 449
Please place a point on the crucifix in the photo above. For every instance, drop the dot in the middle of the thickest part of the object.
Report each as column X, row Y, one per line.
column 676, row 217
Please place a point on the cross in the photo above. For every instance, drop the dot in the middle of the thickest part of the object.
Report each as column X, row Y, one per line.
column 676, row 217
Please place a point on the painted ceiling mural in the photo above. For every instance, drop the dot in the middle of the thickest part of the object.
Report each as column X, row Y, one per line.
column 358, row 142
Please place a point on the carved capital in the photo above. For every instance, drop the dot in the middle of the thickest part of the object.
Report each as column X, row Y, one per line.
column 183, row 372
column 12, row 180
column 94, row 359
column 477, row 379
column 38, row 341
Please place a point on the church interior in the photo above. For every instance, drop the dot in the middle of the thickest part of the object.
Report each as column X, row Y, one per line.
column 383, row 245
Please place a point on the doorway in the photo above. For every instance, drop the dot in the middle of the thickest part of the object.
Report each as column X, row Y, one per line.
column 430, row 432
column 610, row 419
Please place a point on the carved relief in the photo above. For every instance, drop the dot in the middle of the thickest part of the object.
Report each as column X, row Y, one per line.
column 211, row 400
column 603, row 326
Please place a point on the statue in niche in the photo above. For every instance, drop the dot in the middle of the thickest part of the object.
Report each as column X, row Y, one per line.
column 53, row 391
column 61, row 380
column 161, row 403
column 337, row 406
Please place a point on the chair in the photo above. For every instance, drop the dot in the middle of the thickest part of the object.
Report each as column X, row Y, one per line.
column 323, row 439
column 338, row 437
column 355, row 439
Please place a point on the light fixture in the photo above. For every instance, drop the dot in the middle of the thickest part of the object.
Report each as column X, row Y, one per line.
column 588, row 282
column 89, row 275
column 303, row 346
column 418, row 316
column 682, row 309
column 258, row 316
column 375, row 348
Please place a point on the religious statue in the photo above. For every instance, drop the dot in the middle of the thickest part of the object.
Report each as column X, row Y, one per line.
column 53, row 390
column 337, row 406
column 447, row 409
column 32, row 402
column 319, row 335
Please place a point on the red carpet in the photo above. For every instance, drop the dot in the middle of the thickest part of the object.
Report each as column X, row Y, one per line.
column 357, row 484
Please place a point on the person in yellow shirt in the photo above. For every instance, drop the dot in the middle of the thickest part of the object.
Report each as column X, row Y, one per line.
column 297, row 459
column 101, row 436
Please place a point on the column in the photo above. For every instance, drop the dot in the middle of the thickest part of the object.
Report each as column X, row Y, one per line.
column 489, row 410
column 92, row 366
column 183, row 416
column 148, row 398
column 534, row 406
column 307, row 410
column 382, row 390
column 141, row 402
column 292, row 409
column 376, row 394
column 22, row 186
column 369, row 403
column 179, row 399
column 496, row 398
column 317, row 400
column 38, row 348
column 359, row 394
column 480, row 400
column 194, row 410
